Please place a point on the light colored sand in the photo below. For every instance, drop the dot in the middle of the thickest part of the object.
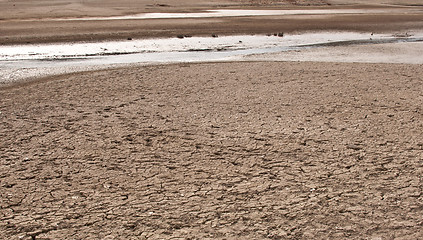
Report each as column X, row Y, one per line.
column 409, row 53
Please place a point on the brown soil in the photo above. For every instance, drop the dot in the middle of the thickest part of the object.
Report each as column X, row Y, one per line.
column 215, row 151
column 210, row 151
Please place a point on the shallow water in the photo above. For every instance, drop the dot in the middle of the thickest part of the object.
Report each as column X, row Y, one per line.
column 238, row 13
column 231, row 45
column 34, row 60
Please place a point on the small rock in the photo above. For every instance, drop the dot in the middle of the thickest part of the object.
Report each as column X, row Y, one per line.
column 280, row 34
column 9, row 185
column 354, row 147
column 180, row 36
column 129, row 39
column 187, row 36
column 214, row 35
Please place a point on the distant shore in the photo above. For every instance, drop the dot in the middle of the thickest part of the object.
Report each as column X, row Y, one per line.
column 34, row 24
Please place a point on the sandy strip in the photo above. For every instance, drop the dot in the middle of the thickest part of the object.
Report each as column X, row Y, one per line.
column 215, row 151
column 408, row 53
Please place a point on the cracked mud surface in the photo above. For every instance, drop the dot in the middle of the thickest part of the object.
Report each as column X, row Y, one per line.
column 218, row 151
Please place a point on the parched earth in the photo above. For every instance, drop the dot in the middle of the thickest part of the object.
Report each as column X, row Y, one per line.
column 215, row 151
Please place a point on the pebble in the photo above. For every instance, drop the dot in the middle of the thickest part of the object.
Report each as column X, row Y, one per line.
column 354, row 147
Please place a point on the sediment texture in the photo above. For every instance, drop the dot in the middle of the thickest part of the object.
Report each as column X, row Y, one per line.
column 218, row 151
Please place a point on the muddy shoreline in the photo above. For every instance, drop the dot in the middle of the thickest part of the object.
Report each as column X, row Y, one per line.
column 45, row 28
column 48, row 32
column 26, row 62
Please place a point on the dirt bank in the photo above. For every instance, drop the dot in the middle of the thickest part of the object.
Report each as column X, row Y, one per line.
column 34, row 22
